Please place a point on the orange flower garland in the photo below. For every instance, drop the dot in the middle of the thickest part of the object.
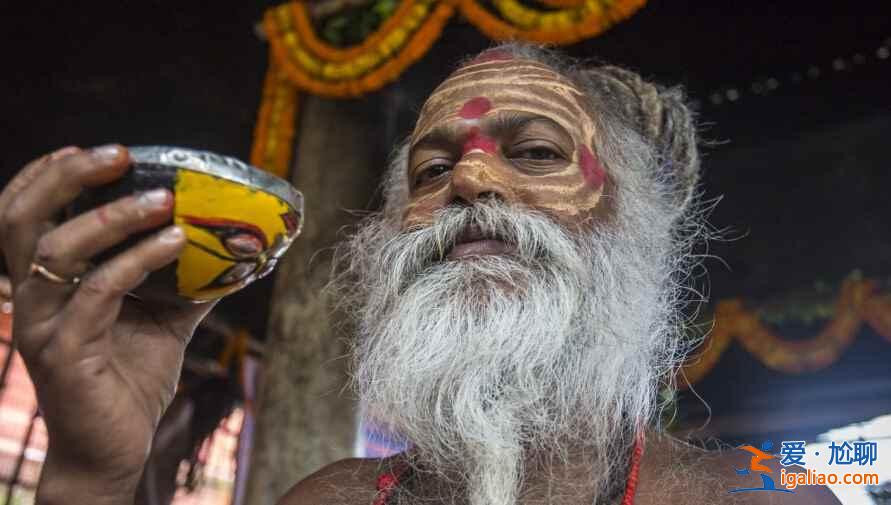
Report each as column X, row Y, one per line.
column 877, row 313
column 527, row 19
column 308, row 37
column 274, row 131
column 587, row 20
column 857, row 303
column 411, row 34
column 561, row 4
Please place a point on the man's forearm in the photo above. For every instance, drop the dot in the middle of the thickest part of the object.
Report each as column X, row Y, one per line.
column 66, row 484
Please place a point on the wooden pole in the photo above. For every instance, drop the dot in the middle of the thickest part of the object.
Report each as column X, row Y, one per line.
column 305, row 419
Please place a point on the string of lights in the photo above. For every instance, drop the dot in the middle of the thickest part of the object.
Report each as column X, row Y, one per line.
column 729, row 95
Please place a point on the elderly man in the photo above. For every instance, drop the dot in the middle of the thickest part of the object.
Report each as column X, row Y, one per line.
column 517, row 303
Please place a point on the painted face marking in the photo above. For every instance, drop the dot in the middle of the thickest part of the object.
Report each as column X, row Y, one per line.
column 475, row 108
column 489, row 90
column 591, row 168
column 479, row 141
column 493, row 55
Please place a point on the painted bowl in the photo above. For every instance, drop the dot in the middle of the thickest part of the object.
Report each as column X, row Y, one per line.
column 238, row 219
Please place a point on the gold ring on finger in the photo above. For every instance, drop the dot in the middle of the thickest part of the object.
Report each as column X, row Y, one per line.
column 37, row 268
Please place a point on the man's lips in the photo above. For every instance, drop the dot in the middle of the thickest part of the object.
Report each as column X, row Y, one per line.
column 479, row 248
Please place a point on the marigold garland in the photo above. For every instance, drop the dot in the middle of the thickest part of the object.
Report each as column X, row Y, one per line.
column 877, row 313
column 274, row 131
column 561, row 4
column 527, row 19
column 407, row 41
column 307, row 34
column 568, row 26
column 857, row 303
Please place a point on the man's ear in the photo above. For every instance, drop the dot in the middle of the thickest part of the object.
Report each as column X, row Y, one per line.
column 662, row 117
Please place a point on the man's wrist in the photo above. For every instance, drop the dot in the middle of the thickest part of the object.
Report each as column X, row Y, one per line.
column 64, row 483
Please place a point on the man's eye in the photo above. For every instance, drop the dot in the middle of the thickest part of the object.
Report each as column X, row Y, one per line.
column 431, row 172
column 537, row 154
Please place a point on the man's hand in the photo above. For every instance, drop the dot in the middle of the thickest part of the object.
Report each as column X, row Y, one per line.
column 104, row 364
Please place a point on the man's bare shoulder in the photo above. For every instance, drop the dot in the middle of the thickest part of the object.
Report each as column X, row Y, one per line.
column 676, row 472
column 346, row 482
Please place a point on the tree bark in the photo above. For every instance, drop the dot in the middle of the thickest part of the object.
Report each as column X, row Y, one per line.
column 305, row 418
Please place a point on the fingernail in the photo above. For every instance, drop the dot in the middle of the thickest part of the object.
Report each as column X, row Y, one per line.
column 154, row 198
column 107, row 153
column 61, row 153
column 172, row 235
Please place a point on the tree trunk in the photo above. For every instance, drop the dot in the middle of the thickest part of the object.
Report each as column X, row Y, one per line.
column 305, row 419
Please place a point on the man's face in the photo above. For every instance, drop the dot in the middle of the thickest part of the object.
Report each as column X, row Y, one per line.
column 511, row 129
column 549, row 335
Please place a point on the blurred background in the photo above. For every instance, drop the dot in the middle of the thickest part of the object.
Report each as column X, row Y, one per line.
column 795, row 108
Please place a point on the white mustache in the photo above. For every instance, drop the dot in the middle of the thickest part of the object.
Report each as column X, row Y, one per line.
column 536, row 237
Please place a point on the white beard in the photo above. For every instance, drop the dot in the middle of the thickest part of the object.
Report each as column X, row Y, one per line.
column 489, row 362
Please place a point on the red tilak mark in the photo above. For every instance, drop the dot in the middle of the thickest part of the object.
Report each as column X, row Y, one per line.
column 592, row 170
column 475, row 107
column 477, row 140
column 492, row 55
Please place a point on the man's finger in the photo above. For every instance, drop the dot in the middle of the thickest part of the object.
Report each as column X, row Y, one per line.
column 26, row 175
column 5, row 288
column 88, row 314
column 29, row 172
column 57, row 183
column 67, row 249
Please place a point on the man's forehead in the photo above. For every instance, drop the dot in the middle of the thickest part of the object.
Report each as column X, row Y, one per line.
column 502, row 74
column 511, row 84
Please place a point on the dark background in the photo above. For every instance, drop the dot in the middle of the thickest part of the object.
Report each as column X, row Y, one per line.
column 802, row 168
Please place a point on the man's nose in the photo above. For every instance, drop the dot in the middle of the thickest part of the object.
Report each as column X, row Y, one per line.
column 479, row 177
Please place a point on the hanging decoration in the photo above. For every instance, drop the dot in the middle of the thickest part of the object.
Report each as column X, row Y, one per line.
column 859, row 302
column 274, row 131
column 300, row 61
column 766, row 86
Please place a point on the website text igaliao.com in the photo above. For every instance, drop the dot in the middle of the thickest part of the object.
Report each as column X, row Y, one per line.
column 791, row 480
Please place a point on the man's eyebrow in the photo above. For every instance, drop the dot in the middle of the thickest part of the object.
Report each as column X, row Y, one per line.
column 507, row 121
column 437, row 137
column 513, row 121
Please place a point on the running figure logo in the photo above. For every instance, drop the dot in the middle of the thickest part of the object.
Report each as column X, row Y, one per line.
column 759, row 455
